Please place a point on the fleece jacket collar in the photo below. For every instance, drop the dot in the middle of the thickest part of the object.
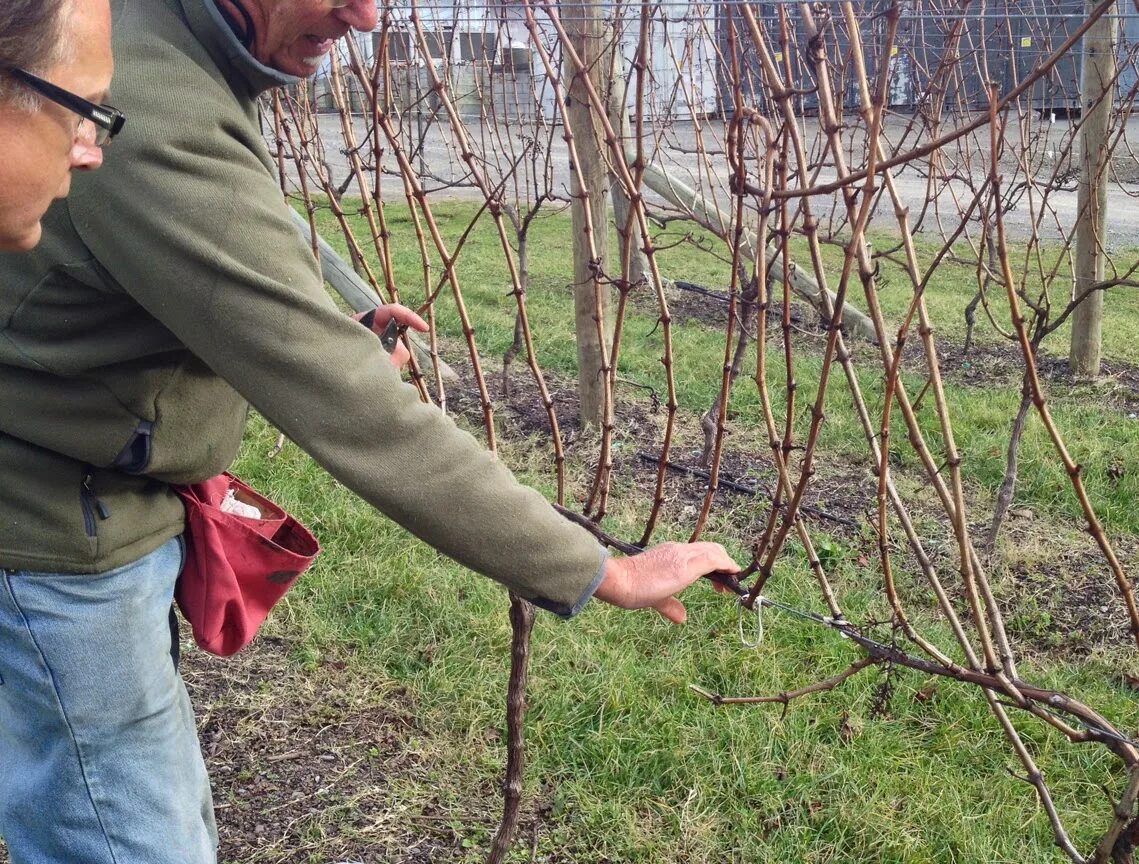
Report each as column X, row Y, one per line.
column 239, row 66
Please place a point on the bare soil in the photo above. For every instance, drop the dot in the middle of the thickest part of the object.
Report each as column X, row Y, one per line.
column 317, row 763
column 303, row 760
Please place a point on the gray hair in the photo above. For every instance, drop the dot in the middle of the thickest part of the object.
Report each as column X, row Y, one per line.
column 31, row 38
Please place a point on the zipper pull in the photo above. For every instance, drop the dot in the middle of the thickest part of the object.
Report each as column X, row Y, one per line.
column 100, row 507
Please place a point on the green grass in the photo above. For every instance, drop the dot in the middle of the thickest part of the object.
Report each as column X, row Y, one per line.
column 631, row 764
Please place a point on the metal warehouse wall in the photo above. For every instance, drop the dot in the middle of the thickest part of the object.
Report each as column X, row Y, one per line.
column 487, row 48
column 1128, row 48
column 1002, row 43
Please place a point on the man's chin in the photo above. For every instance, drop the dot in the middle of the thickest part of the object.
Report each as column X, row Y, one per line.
column 299, row 67
column 21, row 239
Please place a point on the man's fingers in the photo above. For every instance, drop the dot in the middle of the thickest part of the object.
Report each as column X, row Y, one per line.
column 401, row 314
column 712, row 556
column 381, row 315
column 672, row 609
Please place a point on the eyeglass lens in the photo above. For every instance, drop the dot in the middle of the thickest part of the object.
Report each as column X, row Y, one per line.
column 91, row 132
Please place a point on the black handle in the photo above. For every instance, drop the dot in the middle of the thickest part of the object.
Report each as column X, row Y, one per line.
column 389, row 338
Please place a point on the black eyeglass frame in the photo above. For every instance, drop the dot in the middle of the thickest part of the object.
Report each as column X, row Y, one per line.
column 108, row 120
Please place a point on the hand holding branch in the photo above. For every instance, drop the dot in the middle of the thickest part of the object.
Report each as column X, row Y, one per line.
column 651, row 578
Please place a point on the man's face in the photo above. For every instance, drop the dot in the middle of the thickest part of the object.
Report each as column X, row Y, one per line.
column 42, row 147
column 294, row 36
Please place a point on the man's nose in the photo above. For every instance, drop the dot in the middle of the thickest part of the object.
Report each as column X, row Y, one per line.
column 359, row 15
column 86, row 155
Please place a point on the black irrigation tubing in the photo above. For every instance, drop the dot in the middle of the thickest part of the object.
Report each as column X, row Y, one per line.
column 749, row 489
column 711, row 293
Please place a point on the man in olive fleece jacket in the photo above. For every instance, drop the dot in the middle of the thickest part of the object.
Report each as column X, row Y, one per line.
column 169, row 293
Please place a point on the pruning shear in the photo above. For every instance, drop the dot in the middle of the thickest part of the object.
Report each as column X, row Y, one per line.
column 389, row 338
column 728, row 580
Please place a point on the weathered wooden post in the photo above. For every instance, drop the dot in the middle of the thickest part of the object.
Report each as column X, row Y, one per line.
column 1097, row 87
column 590, row 189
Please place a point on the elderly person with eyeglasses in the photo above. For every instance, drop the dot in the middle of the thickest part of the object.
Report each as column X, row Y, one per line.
column 171, row 293
column 55, row 66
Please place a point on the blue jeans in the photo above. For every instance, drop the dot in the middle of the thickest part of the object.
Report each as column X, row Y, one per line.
column 99, row 755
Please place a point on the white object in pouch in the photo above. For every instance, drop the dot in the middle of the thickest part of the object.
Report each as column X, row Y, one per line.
column 230, row 504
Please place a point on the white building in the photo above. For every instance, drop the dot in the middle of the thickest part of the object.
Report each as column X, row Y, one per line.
column 486, row 49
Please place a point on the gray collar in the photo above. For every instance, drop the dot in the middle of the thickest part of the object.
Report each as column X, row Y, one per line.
column 234, row 60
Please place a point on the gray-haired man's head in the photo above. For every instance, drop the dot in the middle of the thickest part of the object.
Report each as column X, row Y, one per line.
column 63, row 51
column 32, row 37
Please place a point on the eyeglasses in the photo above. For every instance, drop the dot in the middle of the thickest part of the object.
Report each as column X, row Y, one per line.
column 106, row 121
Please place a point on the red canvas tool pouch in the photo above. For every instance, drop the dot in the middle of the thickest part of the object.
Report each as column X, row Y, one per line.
column 237, row 566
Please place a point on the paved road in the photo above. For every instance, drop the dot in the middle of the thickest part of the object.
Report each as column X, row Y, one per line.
column 443, row 170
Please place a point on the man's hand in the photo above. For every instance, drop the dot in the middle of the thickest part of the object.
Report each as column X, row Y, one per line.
column 652, row 577
column 405, row 318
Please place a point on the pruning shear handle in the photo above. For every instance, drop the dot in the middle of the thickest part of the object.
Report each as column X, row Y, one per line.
column 389, row 338
column 728, row 580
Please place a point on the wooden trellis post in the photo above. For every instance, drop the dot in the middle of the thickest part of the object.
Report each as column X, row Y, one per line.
column 1096, row 102
column 592, row 296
